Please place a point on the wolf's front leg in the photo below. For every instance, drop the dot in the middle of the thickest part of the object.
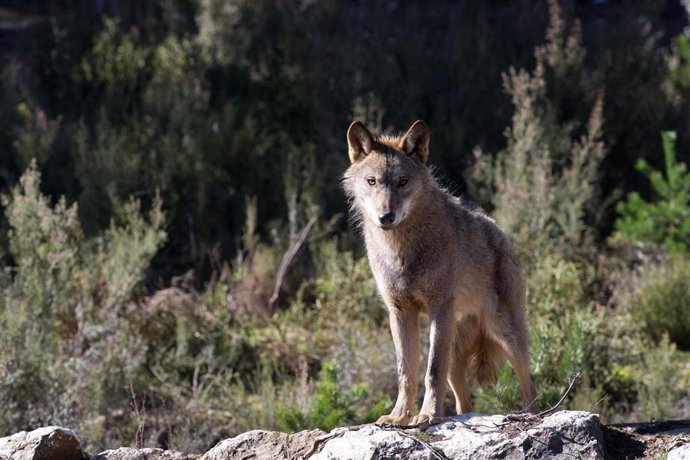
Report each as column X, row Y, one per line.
column 441, row 335
column 405, row 330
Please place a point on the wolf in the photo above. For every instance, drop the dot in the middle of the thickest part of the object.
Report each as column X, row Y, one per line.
column 431, row 254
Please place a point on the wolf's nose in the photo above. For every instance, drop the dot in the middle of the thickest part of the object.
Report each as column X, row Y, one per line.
column 387, row 219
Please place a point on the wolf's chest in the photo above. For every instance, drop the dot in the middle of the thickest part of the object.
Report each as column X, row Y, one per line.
column 399, row 279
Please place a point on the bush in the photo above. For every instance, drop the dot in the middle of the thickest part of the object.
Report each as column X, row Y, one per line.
column 542, row 186
column 659, row 380
column 666, row 219
column 70, row 348
column 332, row 405
column 662, row 301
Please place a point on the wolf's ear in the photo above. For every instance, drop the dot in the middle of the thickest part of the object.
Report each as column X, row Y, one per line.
column 416, row 141
column 359, row 141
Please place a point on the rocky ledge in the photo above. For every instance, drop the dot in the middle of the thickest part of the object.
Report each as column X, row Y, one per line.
column 565, row 434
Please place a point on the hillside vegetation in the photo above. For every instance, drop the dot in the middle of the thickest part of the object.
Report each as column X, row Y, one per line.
column 178, row 262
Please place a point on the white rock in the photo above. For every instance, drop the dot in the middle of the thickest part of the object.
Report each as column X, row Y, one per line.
column 679, row 453
column 146, row 453
column 564, row 435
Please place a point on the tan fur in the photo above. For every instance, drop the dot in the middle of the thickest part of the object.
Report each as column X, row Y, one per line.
column 432, row 255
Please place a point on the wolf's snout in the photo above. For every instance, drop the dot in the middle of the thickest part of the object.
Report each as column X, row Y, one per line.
column 387, row 219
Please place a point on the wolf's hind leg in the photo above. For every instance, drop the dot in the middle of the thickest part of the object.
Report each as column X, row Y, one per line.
column 457, row 374
column 457, row 378
column 405, row 330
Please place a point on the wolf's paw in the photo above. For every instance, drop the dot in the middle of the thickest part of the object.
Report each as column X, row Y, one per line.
column 423, row 418
column 393, row 419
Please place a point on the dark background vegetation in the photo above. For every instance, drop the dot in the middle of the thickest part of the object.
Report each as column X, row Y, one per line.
column 194, row 141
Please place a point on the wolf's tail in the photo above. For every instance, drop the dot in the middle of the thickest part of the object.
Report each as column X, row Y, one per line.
column 485, row 357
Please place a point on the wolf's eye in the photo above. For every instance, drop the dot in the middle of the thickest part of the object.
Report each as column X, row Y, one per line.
column 402, row 181
column 371, row 181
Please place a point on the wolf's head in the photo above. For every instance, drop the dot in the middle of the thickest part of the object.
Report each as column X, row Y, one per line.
column 387, row 174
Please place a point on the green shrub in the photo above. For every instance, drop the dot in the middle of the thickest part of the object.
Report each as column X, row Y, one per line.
column 659, row 380
column 662, row 301
column 666, row 219
column 332, row 405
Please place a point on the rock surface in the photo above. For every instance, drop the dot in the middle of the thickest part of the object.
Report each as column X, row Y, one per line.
column 46, row 443
column 149, row 453
column 565, row 434
column 679, row 453
column 265, row 444
column 470, row 436
column 561, row 435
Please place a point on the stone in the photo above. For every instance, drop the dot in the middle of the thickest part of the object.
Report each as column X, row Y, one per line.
column 566, row 434
column 260, row 444
column 148, row 453
column 46, row 443
column 679, row 453
column 469, row 436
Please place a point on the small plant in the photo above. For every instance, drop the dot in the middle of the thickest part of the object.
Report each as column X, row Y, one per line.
column 678, row 78
column 332, row 405
column 666, row 219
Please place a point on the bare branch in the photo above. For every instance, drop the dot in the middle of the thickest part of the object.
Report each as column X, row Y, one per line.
column 287, row 260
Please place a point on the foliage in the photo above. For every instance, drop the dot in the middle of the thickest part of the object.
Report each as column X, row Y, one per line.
column 70, row 346
column 662, row 301
column 659, row 383
column 666, row 219
column 332, row 406
column 542, row 188
column 678, row 79
column 543, row 184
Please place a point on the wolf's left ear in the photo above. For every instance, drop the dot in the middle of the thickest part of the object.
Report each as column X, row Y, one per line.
column 416, row 141
column 359, row 141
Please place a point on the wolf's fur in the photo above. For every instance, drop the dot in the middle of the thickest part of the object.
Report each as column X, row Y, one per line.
column 431, row 254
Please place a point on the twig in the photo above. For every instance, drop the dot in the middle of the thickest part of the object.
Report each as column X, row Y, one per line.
column 526, row 416
column 288, row 257
column 141, row 425
column 573, row 381
column 318, row 441
column 329, row 436
column 422, row 425
column 598, row 401
column 435, row 452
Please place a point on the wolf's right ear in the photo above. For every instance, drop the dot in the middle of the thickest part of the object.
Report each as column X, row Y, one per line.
column 359, row 141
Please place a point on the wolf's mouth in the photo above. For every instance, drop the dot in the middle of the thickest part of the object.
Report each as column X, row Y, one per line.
column 387, row 226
